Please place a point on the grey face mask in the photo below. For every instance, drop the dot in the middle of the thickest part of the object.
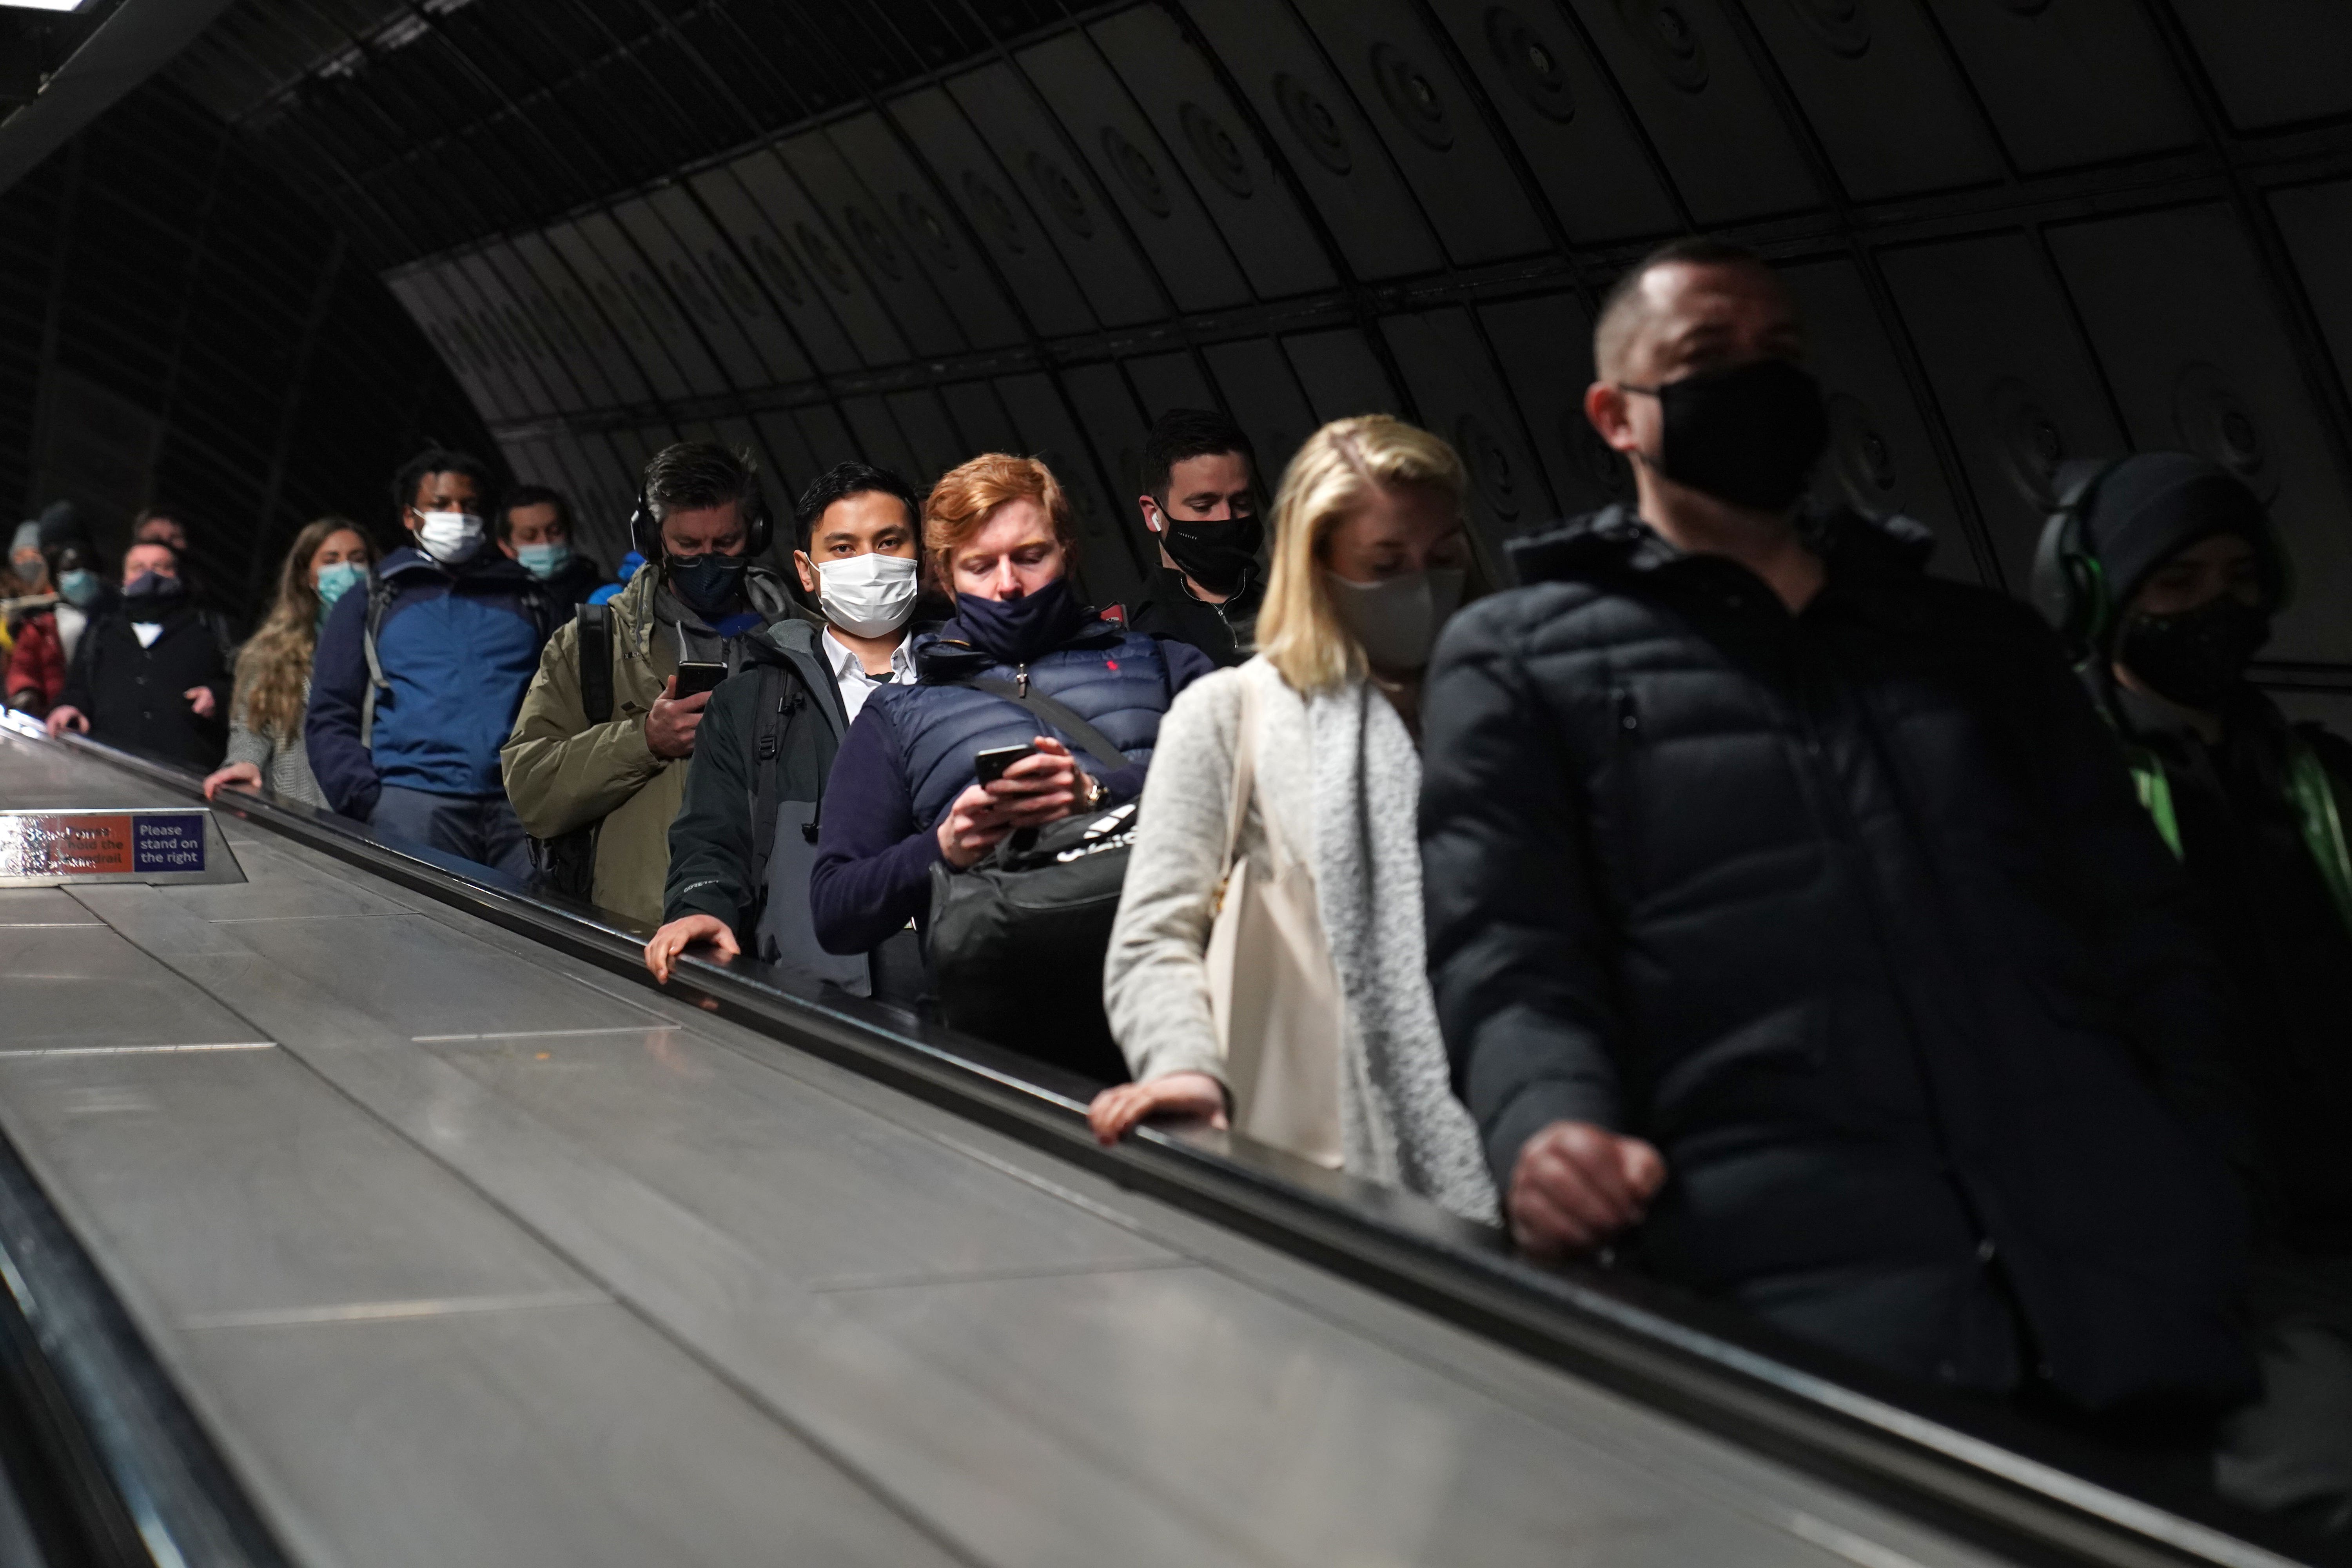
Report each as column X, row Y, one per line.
column 1396, row 621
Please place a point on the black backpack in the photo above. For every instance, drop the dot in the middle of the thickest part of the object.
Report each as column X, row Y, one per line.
column 566, row 864
column 1016, row 942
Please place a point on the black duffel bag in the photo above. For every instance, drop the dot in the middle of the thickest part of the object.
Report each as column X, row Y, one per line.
column 1016, row 942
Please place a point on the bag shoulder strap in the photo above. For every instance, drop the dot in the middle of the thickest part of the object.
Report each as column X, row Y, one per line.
column 779, row 694
column 1245, row 784
column 595, row 629
column 379, row 596
column 1091, row 741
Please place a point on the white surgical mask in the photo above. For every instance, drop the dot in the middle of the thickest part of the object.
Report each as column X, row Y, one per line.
column 452, row 537
column 868, row 595
column 1397, row 620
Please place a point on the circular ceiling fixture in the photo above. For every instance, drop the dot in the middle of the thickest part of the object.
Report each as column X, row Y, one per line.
column 1670, row 39
column 1861, row 456
column 924, row 224
column 820, row 252
column 1840, row 25
column 1412, row 97
column 872, row 241
column 1061, row 193
column 2215, row 422
column 1313, row 121
column 1219, row 153
column 1490, row 464
column 994, row 210
column 1531, row 63
column 1136, row 170
column 778, row 267
column 2030, row 442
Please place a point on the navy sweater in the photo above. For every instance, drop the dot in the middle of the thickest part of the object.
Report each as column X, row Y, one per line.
column 873, row 871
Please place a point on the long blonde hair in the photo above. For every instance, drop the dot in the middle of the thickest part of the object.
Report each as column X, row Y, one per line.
column 1336, row 473
column 273, row 665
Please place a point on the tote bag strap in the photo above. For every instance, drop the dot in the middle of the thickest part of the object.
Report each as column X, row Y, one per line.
column 1244, row 782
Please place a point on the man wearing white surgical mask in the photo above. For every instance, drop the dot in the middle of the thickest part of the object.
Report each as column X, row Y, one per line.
column 419, row 672
column 744, row 839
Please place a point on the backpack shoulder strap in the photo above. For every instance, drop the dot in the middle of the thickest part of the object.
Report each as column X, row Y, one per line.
column 594, row 625
column 1091, row 741
column 379, row 596
column 780, row 692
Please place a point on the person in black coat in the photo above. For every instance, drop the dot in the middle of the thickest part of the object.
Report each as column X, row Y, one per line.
column 1200, row 505
column 151, row 677
column 1792, row 926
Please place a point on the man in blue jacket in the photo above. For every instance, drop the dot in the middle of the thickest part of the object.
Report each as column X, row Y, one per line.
column 417, row 681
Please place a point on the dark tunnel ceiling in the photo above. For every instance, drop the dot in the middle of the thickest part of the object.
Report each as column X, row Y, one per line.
column 2023, row 229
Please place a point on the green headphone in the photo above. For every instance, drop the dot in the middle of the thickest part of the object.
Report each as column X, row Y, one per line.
column 2069, row 586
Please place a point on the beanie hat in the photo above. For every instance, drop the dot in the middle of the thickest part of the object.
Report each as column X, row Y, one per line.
column 28, row 537
column 60, row 526
column 2153, row 505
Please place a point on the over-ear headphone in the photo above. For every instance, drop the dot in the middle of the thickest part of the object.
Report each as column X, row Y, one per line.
column 644, row 530
column 2070, row 587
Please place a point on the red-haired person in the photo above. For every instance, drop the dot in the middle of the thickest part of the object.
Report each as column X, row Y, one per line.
column 905, row 791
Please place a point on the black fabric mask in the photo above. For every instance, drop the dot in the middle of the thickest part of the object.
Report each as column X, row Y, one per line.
column 1014, row 631
column 708, row 585
column 2198, row 657
column 1749, row 436
column 1217, row 555
column 151, row 595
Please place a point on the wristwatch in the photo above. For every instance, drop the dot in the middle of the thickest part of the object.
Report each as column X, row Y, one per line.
column 1097, row 795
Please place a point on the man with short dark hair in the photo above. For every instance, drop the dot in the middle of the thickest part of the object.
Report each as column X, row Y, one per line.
column 151, row 676
column 598, row 788
column 741, row 849
column 156, row 525
column 1200, row 504
column 535, row 528
column 1791, row 926
column 416, row 679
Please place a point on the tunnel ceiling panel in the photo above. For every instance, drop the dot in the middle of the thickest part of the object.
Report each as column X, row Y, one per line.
column 2024, row 230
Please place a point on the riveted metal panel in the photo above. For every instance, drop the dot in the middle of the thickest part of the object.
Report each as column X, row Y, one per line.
column 879, row 439
column 1461, row 399
column 590, row 246
column 1170, row 381
column 1139, row 172
column 1889, row 110
column 829, row 440
column 1116, row 428
column 2178, row 309
column 778, row 267
column 1562, row 111
column 1228, row 167
column 703, row 337
column 926, row 222
column 1699, row 100
column 540, row 377
column 780, row 434
column 2274, row 63
column 1338, row 158
column 1881, row 459
column 1031, row 266
column 429, row 306
column 825, row 260
column 1107, row 557
column 874, row 243
column 758, row 349
column 598, row 335
column 1427, row 117
column 1546, row 347
column 2068, row 84
column 937, row 447
column 1071, row 209
column 1341, row 374
column 982, row 423
column 496, row 388
column 572, row 378
column 1265, row 398
column 2010, row 376
column 2317, row 223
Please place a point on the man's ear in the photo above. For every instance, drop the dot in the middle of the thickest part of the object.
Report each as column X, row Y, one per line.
column 1150, row 511
column 807, row 568
column 1605, row 405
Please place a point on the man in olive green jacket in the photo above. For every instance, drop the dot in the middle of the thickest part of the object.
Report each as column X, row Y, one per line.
column 629, row 774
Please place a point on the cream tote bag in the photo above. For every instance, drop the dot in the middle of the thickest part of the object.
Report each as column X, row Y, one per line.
column 1272, row 987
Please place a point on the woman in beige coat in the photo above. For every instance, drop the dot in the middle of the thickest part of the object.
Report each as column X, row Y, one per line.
column 1267, row 967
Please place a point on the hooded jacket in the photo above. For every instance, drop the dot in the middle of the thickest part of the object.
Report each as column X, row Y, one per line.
column 134, row 695
column 1852, row 914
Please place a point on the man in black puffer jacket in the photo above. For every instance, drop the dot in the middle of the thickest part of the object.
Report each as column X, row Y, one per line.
column 1794, row 926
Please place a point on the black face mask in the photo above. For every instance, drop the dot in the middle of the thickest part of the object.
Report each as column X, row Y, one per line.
column 1750, row 436
column 1217, row 555
column 709, row 585
column 2198, row 657
column 152, row 594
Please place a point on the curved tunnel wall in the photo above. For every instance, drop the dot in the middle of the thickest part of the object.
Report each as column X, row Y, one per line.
column 2025, row 230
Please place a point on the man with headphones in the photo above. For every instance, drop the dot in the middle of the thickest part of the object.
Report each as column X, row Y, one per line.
column 2163, row 571
column 595, row 764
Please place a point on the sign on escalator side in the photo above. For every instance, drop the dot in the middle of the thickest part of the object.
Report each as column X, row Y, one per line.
column 53, row 848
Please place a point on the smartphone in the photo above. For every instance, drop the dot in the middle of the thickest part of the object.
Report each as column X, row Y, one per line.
column 991, row 763
column 696, row 677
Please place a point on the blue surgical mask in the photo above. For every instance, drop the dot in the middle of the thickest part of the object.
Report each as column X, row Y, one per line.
column 334, row 582
column 1014, row 631
column 80, row 587
column 543, row 561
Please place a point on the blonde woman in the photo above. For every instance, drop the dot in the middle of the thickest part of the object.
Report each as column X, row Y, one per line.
column 1284, row 794
column 329, row 558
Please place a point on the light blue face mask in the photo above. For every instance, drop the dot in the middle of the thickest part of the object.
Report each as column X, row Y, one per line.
column 334, row 582
column 543, row 561
column 80, row 587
